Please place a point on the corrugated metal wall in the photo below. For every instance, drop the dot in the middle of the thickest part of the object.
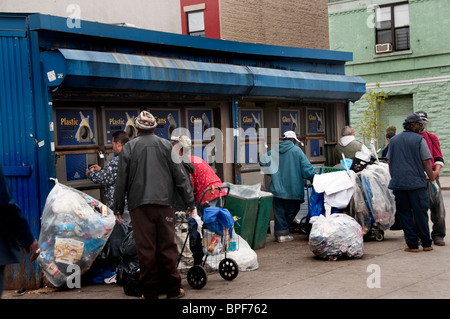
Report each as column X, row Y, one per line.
column 18, row 147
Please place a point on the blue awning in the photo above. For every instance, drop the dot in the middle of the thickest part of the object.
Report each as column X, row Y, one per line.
column 106, row 70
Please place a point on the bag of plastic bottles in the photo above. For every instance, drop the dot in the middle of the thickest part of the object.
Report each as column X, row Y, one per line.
column 74, row 230
column 336, row 236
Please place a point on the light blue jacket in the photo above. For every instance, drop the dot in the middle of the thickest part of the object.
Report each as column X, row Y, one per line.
column 288, row 167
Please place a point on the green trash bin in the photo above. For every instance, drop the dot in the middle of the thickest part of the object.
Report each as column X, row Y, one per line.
column 246, row 209
column 262, row 220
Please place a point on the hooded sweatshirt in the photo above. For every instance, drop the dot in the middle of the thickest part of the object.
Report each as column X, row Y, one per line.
column 288, row 167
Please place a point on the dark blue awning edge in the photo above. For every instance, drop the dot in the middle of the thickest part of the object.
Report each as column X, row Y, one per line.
column 82, row 69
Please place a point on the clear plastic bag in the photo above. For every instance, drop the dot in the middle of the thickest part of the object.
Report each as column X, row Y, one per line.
column 380, row 199
column 335, row 236
column 74, row 230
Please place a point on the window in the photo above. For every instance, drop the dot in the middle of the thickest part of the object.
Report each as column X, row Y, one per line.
column 196, row 23
column 392, row 27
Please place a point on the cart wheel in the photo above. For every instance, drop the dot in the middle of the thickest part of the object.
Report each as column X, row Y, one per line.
column 197, row 277
column 228, row 269
column 305, row 226
column 379, row 236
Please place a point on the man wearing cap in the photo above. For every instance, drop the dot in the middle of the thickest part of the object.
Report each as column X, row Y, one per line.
column 348, row 145
column 148, row 177
column 288, row 168
column 437, row 162
column 408, row 157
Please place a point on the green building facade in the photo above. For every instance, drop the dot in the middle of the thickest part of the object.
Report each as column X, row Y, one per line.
column 405, row 47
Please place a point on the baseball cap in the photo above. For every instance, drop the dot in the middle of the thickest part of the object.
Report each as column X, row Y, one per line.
column 291, row 134
column 423, row 115
column 414, row 118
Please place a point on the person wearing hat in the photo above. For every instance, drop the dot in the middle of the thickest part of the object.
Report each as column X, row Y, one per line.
column 348, row 145
column 408, row 157
column 437, row 162
column 288, row 168
column 148, row 176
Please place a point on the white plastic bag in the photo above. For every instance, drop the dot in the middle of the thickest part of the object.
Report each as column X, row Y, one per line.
column 335, row 236
column 74, row 230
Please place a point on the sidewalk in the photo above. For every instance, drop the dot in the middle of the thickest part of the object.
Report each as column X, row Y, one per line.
column 291, row 271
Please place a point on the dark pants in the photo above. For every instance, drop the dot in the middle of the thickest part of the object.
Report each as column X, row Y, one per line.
column 284, row 212
column 154, row 233
column 412, row 209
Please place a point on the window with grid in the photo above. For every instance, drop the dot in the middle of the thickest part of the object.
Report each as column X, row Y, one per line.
column 392, row 26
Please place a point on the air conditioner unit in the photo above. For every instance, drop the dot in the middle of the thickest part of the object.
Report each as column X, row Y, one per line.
column 383, row 48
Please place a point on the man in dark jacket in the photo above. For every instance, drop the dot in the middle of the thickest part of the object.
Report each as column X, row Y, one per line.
column 409, row 157
column 15, row 232
column 148, row 176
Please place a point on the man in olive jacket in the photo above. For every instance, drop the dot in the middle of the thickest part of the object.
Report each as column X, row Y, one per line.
column 148, row 176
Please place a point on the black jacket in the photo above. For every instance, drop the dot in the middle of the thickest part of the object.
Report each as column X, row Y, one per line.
column 15, row 232
column 148, row 174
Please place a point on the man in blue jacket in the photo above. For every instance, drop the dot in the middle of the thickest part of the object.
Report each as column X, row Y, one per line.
column 288, row 168
column 15, row 232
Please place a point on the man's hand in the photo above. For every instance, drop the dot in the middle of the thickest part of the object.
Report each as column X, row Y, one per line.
column 34, row 250
column 435, row 186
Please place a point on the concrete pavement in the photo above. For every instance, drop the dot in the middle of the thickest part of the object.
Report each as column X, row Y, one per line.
column 291, row 271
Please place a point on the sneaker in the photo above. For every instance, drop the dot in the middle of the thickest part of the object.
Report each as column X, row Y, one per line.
column 427, row 248
column 411, row 250
column 111, row 280
column 181, row 294
column 283, row 239
column 439, row 242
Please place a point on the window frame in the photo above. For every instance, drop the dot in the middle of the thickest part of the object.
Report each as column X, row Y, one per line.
column 198, row 33
column 392, row 28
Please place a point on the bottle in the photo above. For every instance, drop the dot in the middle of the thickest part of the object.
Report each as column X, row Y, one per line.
column 213, row 244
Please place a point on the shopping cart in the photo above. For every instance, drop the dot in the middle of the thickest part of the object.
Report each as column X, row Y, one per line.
column 209, row 251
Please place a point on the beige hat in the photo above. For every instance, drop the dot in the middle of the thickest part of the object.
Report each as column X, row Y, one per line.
column 183, row 140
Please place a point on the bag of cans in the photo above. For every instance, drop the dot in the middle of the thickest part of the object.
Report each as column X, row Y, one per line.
column 74, row 229
column 336, row 236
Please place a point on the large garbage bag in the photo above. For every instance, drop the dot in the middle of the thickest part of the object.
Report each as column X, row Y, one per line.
column 74, row 230
column 336, row 236
column 380, row 199
column 129, row 262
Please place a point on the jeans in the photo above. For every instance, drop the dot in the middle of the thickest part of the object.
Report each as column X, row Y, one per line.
column 284, row 211
column 438, row 217
column 412, row 210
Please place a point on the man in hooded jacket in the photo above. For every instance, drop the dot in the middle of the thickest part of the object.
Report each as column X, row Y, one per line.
column 288, row 168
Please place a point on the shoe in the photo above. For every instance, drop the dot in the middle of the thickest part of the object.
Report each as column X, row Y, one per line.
column 439, row 242
column 427, row 248
column 283, row 239
column 411, row 250
column 180, row 295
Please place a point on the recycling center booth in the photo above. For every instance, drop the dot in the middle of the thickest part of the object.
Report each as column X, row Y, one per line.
column 67, row 90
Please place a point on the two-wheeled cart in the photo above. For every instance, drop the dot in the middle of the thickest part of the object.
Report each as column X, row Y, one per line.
column 209, row 247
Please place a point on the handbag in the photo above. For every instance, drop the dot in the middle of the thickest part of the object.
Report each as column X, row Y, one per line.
column 433, row 195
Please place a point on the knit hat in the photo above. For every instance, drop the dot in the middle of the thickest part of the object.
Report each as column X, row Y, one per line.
column 145, row 121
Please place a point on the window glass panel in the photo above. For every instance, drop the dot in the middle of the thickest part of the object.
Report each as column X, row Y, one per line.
column 196, row 21
column 401, row 15
column 384, row 36
column 402, row 39
column 383, row 17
